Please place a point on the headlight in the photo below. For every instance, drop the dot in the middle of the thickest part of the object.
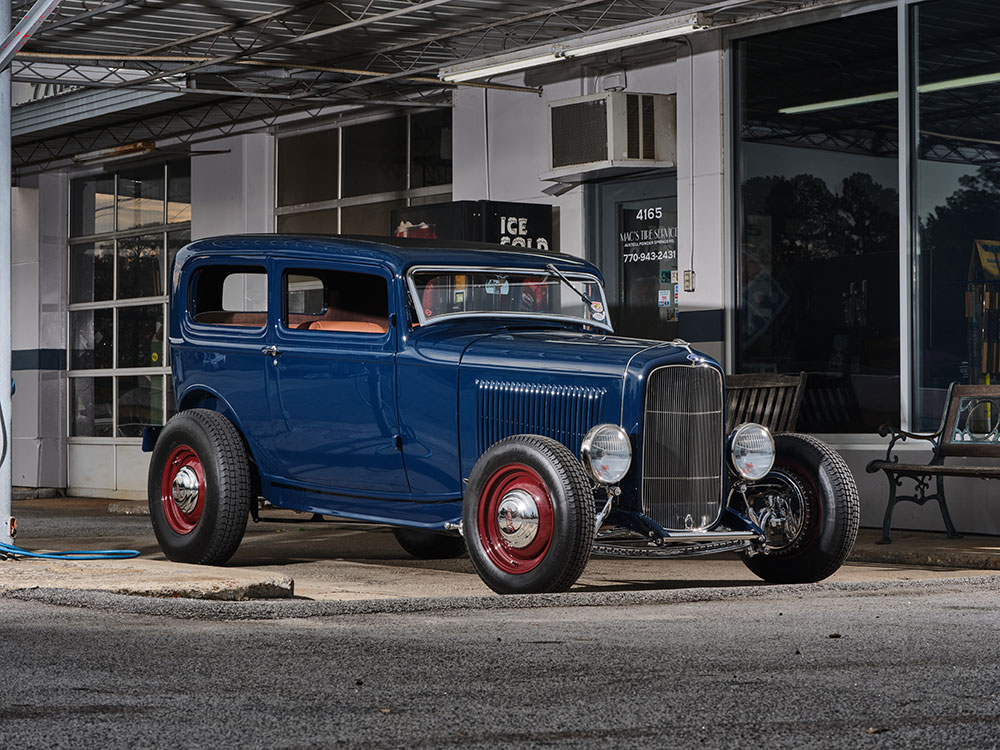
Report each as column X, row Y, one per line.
column 606, row 453
column 751, row 449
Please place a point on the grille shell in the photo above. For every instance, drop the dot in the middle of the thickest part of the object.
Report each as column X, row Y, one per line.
column 683, row 451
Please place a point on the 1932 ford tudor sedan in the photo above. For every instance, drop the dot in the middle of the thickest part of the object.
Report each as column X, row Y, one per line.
column 475, row 399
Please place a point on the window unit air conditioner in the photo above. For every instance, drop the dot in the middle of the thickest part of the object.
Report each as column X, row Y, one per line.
column 616, row 132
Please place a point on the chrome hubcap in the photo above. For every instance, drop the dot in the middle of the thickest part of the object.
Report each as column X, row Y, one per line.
column 517, row 517
column 185, row 489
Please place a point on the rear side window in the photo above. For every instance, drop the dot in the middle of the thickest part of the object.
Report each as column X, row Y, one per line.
column 336, row 301
column 230, row 296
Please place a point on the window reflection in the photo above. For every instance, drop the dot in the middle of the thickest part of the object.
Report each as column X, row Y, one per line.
column 91, row 407
column 140, row 336
column 374, row 157
column 140, row 266
column 92, row 272
column 957, row 202
column 91, row 336
column 179, row 191
column 818, row 259
column 140, row 197
column 92, row 205
column 140, row 403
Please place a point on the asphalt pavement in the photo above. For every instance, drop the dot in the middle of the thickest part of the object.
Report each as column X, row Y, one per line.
column 350, row 562
column 889, row 664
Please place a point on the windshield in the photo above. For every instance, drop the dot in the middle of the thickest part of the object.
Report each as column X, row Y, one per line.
column 441, row 292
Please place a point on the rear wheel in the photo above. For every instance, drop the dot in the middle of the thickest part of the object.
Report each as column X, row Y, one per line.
column 528, row 516
column 428, row 545
column 808, row 506
column 199, row 488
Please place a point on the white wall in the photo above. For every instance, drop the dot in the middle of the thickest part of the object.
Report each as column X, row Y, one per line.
column 232, row 192
column 38, row 234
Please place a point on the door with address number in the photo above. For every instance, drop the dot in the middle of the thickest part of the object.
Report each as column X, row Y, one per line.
column 638, row 254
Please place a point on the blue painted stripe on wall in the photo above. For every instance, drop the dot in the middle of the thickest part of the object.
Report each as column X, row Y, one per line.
column 38, row 359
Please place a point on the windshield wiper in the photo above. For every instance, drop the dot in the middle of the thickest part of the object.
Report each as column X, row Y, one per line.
column 553, row 270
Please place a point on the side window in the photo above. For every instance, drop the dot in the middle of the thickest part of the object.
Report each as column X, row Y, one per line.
column 328, row 300
column 230, row 296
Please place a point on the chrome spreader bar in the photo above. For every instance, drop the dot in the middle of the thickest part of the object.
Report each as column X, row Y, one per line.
column 680, row 550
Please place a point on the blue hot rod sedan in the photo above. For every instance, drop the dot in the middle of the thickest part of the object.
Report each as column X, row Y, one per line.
column 475, row 399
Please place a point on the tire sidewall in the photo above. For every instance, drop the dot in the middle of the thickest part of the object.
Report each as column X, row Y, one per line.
column 185, row 429
column 833, row 528
column 559, row 554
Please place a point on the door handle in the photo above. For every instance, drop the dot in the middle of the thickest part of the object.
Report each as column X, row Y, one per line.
column 271, row 351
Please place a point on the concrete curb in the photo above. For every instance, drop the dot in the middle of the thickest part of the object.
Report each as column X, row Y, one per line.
column 146, row 578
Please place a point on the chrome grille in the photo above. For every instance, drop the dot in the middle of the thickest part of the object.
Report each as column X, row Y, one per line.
column 682, row 454
column 561, row 412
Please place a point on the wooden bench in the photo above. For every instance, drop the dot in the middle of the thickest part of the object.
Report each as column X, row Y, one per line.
column 970, row 428
column 769, row 400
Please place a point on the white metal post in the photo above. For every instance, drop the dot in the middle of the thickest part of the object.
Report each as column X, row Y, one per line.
column 5, row 293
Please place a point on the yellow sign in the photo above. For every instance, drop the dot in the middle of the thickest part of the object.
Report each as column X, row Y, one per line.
column 988, row 252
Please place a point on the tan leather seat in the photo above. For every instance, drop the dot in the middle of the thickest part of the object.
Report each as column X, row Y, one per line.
column 348, row 326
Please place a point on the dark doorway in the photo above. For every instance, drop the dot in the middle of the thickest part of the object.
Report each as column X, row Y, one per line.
column 633, row 239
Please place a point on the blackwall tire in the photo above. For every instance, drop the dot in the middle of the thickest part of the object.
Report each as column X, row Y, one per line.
column 199, row 488
column 824, row 481
column 528, row 471
column 428, row 545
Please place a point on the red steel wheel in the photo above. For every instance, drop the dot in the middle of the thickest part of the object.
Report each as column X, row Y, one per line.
column 515, row 519
column 182, row 489
column 528, row 515
column 200, row 487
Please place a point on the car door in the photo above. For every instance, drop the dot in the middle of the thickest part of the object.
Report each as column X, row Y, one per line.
column 333, row 380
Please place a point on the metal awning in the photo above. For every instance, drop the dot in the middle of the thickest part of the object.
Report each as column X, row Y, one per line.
column 121, row 71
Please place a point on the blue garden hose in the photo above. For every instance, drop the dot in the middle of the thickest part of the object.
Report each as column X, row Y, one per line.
column 91, row 554
column 9, row 550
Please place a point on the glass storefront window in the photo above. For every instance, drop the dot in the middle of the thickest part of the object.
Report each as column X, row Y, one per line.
column 91, row 403
column 92, row 335
column 175, row 241
column 956, row 103
column 430, row 149
column 178, row 192
column 92, row 205
column 140, row 404
column 309, row 170
column 117, row 291
column 310, row 222
column 140, row 197
column 140, row 336
column 389, row 164
column 140, row 266
column 92, row 272
column 374, row 157
column 371, row 218
column 818, row 255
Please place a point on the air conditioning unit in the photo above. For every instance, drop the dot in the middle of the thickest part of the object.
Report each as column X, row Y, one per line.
column 616, row 132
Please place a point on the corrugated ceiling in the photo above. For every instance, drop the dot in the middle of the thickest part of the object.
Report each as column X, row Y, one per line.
column 236, row 61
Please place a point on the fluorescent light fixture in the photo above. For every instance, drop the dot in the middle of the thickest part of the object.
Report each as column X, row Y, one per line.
column 837, row 103
column 925, row 88
column 647, row 33
column 484, row 68
column 588, row 44
column 116, row 152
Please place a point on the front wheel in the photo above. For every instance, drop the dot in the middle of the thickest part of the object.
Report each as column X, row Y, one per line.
column 528, row 516
column 199, row 488
column 808, row 506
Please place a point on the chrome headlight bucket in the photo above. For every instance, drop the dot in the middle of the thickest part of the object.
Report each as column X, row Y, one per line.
column 751, row 451
column 606, row 453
